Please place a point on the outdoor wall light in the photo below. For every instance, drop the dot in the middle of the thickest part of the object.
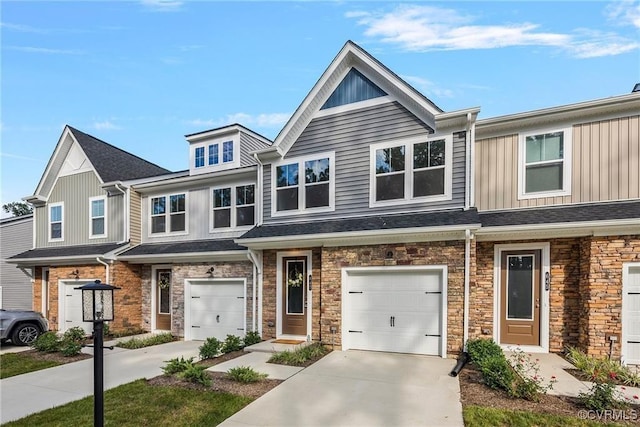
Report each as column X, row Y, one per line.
column 75, row 273
column 210, row 272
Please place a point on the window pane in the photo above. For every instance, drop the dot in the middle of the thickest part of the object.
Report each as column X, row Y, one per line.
column 543, row 178
column 317, row 195
column 221, row 197
column 227, row 151
column 421, row 155
column 549, row 146
column 428, row 182
column 520, row 287
column 165, row 295
column 245, row 216
column 389, row 187
column 97, row 208
column 295, row 287
column 97, row 226
column 436, row 153
column 178, row 222
column 390, row 159
column 245, row 195
column 158, row 224
column 158, row 206
column 316, row 170
column 177, row 203
column 56, row 213
column 56, row 230
column 287, row 175
column 213, row 154
column 287, row 199
column 199, row 157
column 222, row 218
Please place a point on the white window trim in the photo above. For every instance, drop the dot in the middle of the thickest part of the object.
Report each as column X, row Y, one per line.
column 380, row 100
column 104, row 217
column 233, row 207
column 167, row 215
column 408, row 172
column 301, row 194
column 53, row 205
column 567, row 141
column 221, row 165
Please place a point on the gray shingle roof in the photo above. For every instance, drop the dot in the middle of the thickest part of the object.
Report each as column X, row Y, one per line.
column 112, row 163
column 196, row 246
column 563, row 214
column 67, row 251
column 387, row 222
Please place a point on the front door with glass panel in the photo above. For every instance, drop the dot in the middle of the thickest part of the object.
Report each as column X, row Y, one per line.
column 163, row 300
column 294, row 296
column 520, row 297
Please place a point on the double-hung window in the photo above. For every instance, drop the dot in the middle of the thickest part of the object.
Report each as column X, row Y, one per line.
column 304, row 184
column 545, row 164
column 56, row 221
column 227, row 151
column 233, row 206
column 213, row 154
column 411, row 171
column 97, row 225
column 199, row 157
column 168, row 214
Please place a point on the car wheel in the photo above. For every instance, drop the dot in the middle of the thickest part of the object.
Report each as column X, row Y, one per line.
column 25, row 334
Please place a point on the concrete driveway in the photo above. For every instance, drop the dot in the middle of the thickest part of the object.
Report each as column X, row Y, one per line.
column 357, row 388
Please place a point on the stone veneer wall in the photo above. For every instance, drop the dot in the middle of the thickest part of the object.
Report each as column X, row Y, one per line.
column 333, row 259
column 601, row 260
column 180, row 272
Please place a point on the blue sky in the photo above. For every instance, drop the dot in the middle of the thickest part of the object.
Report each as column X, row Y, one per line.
column 141, row 75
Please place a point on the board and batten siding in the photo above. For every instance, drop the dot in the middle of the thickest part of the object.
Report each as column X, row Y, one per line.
column 350, row 136
column 74, row 191
column 16, row 235
column 605, row 166
column 135, row 217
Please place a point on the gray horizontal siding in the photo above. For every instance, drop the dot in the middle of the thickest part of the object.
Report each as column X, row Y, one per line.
column 247, row 145
column 350, row 136
column 56, row 164
column 74, row 191
column 16, row 237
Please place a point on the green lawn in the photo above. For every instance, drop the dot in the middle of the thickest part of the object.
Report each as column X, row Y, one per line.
column 478, row 416
column 15, row 364
column 139, row 404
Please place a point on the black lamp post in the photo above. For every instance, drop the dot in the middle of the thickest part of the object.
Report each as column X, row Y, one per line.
column 97, row 306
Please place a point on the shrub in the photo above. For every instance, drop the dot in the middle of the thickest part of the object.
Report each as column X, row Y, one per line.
column 497, row 373
column 135, row 343
column 106, row 330
column 176, row 365
column 480, row 349
column 252, row 337
column 210, row 349
column 529, row 384
column 70, row 348
column 299, row 356
column 602, row 396
column 47, row 342
column 232, row 343
column 196, row 374
column 75, row 334
column 245, row 374
column 602, row 369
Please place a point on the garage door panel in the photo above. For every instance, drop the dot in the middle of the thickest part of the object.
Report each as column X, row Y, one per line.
column 369, row 321
column 409, row 343
column 369, row 300
column 217, row 290
column 416, row 323
column 631, row 315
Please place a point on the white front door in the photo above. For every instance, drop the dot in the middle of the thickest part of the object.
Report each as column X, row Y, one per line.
column 394, row 309
column 216, row 308
column 71, row 299
column 631, row 314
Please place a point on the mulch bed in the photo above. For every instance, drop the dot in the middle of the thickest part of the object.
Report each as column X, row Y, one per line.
column 474, row 392
column 55, row 357
column 221, row 358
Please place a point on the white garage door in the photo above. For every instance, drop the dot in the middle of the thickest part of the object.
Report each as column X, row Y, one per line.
column 631, row 316
column 73, row 307
column 394, row 310
column 217, row 309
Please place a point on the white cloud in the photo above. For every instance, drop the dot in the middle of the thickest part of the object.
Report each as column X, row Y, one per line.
column 19, row 157
column 265, row 120
column 427, row 28
column 45, row 50
column 22, row 28
column 624, row 13
column 162, row 5
column 105, row 125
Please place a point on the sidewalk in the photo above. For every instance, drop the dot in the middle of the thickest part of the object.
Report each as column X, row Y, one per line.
column 26, row 394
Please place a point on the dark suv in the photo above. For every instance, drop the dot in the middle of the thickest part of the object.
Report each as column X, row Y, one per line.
column 21, row 327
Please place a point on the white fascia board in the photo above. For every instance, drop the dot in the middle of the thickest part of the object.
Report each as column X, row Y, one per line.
column 458, row 118
column 63, row 260
column 191, row 179
column 66, row 131
column 213, row 133
column 416, row 234
column 567, row 229
column 240, row 255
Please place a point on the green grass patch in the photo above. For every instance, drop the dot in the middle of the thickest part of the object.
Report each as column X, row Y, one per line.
column 300, row 356
column 139, row 404
column 12, row 364
column 135, row 343
column 478, row 416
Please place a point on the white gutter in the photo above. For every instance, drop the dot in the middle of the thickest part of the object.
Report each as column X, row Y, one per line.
column 633, row 222
column 125, row 202
column 106, row 268
column 259, row 191
column 467, row 276
column 256, row 259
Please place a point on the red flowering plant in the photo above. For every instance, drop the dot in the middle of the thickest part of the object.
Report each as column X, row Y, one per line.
column 529, row 384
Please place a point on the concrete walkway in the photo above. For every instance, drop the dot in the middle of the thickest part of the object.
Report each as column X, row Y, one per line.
column 258, row 361
column 26, row 394
column 358, row 388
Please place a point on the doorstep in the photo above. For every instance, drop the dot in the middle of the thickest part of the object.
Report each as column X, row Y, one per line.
column 272, row 346
column 258, row 361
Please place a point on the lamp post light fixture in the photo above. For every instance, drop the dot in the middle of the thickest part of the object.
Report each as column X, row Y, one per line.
column 97, row 307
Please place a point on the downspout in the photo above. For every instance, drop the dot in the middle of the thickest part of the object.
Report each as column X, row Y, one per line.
column 125, row 202
column 467, row 278
column 256, row 259
column 106, row 265
column 467, row 164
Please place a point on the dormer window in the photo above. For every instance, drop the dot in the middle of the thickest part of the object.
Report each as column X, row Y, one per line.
column 213, row 154
column 219, row 154
column 199, row 157
column 227, row 151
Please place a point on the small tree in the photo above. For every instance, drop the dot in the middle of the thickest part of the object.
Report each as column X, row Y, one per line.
column 18, row 208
